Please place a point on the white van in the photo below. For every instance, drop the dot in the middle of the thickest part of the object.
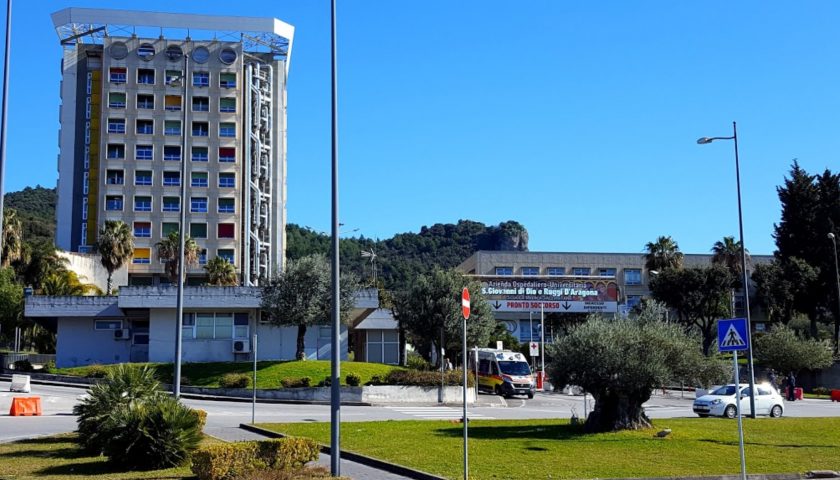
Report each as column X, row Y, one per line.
column 504, row 372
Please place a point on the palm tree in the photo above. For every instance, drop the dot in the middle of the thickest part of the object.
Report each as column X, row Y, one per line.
column 67, row 283
column 12, row 237
column 115, row 246
column 168, row 252
column 728, row 254
column 663, row 253
column 220, row 272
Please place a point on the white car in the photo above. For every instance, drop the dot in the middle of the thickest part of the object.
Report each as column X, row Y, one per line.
column 721, row 401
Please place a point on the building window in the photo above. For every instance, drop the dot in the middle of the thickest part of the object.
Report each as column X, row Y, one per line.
column 146, row 51
column 227, row 105
column 142, row 229
column 171, row 179
column 116, row 125
column 199, row 154
column 201, row 104
column 142, row 256
column 200, row 129
column 201, row 79
column 145, row 127
column 143, row 152
column 114, row 203
column 227, row 154
column 530, row 271
column 172, row 152
column 116, row 100
column 555, row 271
column 227, row 80
column 107, row 324
column 580, row 271
column 504, row 270
column 632, row 276
column 145, row 102
column 117, row 74
column 606, row 272
column 168, row 227
column 145, row 76
column 198, row 204
column 211, row 325
column 114, row 177
column 226, row 253
column 227, row 180
column 171, row 204
column 198, row 230
column 202, row 256
column 172, row 103
column 172, row 76
column 227, row 129
column 227, row 205
column 383, row 346
column 225, row 230
column 142, row 177
column 143, row 204
column 199, row 179
column 172, row 127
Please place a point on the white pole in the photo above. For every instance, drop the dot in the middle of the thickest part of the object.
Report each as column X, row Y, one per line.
column 466, row 461
column 542, row 344
column 740, row 423
column 254, row 402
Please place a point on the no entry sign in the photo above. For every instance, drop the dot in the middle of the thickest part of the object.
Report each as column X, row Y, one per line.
column 465, row 303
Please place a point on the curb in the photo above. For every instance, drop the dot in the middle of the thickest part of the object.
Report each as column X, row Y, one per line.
column 355, row 457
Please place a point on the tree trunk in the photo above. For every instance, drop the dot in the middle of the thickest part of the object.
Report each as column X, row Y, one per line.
column 108, row 285
column 618, row 411
column 300, row 354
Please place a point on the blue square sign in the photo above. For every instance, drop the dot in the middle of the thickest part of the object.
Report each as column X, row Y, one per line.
column 733, row 335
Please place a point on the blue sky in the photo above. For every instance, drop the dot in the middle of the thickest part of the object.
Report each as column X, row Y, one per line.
column 577, row 119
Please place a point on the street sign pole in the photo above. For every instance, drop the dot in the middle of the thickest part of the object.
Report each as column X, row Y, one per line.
column 740, row 422
column 542, row 346
column 465, row 310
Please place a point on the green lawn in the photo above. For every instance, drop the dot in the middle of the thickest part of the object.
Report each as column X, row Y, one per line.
column 57, row 457
column 269, row 374
column 555, row 449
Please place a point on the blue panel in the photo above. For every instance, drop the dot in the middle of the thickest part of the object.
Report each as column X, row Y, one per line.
column 733, row 335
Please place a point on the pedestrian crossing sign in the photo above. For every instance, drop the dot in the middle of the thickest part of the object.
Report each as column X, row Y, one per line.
column 733, row 335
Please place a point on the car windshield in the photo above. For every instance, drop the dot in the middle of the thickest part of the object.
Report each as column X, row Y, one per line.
column 515, row 368
column 727, row 390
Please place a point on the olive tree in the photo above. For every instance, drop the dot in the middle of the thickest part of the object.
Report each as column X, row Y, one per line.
column 621, row 361
column 783, row 350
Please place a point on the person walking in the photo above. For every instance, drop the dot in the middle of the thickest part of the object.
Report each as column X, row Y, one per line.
column 791, row 385
column 772, row 378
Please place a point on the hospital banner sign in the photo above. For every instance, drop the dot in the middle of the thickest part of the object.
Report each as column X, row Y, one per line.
column 562, row 295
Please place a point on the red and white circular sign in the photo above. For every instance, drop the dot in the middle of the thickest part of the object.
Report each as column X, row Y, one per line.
column 465, row 303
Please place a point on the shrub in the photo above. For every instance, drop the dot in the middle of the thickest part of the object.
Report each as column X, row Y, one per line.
column 427, row 379
column 96, row 371
column 238, row 460
column 48, row 367
column 306, row 473
column 326, row 382
column 375, row 380
column 202, row 418
column 353, row 380
column 822, row 391
column 415, row 361
column 235, row 380
column 23, row 366
column 154, row 435
column 185, row 380
column 296, row 382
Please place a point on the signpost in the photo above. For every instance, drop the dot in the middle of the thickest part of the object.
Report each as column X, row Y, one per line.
column 535, row 349
column 732, row 337
column 465, row 310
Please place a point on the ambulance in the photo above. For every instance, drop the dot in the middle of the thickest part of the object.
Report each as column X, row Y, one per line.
column 504, row 372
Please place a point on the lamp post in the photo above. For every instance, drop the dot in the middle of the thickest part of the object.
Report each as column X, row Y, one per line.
column 182, row 234
column 335, row 391
column 4, row 114
column 837, row 274
column 734, row 138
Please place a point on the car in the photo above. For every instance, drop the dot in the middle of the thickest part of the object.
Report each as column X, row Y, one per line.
column 720, row 402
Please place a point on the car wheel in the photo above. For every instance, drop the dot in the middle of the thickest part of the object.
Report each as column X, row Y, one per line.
column 776, row 411
column 730, row 411
column 498, row 390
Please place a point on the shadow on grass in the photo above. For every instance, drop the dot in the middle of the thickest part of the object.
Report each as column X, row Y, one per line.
column 46, row 440
column 542, row 432
column 84, row 469
column 64, row 453
column 731, row 443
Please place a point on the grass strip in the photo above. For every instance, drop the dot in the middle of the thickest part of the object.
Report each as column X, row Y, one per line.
column 555, row 449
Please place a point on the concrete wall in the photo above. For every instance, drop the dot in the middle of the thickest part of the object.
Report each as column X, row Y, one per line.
column 90, row 270
column 77, row 344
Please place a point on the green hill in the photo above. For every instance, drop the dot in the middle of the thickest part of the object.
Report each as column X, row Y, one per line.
column 36, row 209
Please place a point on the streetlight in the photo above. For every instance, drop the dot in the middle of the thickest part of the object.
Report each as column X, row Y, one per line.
column 4, row 113
column 837, row 273
column 335, row 361
column 734, row 138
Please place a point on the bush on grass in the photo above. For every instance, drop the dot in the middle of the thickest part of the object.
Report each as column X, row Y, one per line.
column 306, row 473
column 822, row 391
column 427, row 379
column 48, row 367
column 296, row 382
column 240, row 459
column 353, row 380
column 235, row 380
column 415, row 361
column 96, row 371
column 375, row 380
column 23, row 366
column 202, row 418
column 326, row 382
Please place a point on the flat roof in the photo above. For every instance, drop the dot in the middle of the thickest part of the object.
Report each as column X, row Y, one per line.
column 75, row 24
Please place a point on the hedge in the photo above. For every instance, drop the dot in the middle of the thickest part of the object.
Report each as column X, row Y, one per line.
column 232, row 460
column 427, row 378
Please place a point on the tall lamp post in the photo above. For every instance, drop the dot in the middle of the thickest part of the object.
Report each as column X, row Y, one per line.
column 734, row 138
column 837, row 274
column 335, row 391
column 4, row 114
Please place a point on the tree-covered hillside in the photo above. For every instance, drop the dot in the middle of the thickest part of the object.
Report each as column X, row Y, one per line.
column 36, row 209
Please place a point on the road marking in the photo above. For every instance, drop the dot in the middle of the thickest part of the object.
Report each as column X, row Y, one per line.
column 438, row 413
